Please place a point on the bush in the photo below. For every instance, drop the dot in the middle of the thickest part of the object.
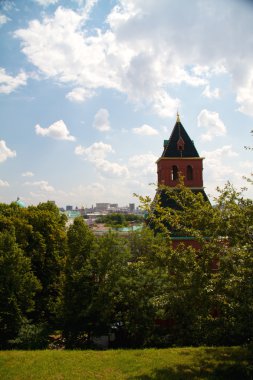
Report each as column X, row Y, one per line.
column 31, row 337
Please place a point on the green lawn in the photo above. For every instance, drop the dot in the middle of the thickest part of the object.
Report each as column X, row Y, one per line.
column 175, row 363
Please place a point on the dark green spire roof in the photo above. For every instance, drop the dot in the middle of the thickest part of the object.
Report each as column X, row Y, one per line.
column 179, row 144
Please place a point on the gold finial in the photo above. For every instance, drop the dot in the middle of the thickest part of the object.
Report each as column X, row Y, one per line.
column 178, row 118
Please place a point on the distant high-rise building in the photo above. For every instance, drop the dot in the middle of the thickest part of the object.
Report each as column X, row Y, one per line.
column 131, row 207
column 114, row 205
column 69, row 208
column 102, row 206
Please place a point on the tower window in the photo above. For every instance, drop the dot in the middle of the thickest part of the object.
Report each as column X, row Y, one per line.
column 174, row 173
column 180, row 144
column 189, row 173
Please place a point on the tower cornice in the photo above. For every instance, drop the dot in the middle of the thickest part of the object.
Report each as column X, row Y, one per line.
column 179, row 158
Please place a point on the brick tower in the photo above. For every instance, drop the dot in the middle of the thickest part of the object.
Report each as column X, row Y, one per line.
column 180, row 157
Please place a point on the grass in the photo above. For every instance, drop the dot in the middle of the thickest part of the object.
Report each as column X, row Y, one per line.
column 231, row 363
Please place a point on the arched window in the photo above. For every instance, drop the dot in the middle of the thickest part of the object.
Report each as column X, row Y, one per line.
column 189, row 173
column 174, row 173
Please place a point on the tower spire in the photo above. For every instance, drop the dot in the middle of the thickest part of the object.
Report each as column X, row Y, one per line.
column 178, row 118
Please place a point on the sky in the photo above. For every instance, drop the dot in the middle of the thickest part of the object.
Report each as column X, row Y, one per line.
column 90, row 89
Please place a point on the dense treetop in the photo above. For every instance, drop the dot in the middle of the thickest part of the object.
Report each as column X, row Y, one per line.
column 143, row 289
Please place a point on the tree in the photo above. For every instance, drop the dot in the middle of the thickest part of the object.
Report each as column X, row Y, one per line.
column 207, row 292
column 138, row 281
column 47, row 250
column 40, row 232
column 18, row 287
column 78, row 282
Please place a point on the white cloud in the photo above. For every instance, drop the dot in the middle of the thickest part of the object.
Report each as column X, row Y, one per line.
column 96, row 154
column 218, row 167
column 225, row 151
column 5, row 152
column 73, row 55
column 57, row 130
column 101, row 120
column 201, row 70
column 246, row 164
column 85, row 195
column 27, row 174
column 96, row 151
column 3, row 19
column 45, row 3
column 79, row 95
column 89, row 5
column 4, row 183
column 156, row 28
column 211, row 94
column 94, row 187
column 245, row 94
column 143, row 164
column 164, row 105
column 42, row 185
column 9, row 84
column 212, row 122
column 111, row 169
column 142, row 50
column 119, row 66
column 145, row 130
column 206, row 71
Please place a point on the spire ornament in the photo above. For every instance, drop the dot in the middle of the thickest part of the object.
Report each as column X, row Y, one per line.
column 178, row 118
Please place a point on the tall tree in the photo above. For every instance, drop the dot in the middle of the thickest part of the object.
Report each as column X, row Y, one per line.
column 208, row 292
column 78, row 282
column 47, row 250
column 40, row 233
column 18, row 287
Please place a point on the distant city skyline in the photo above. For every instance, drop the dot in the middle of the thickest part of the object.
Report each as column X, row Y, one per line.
column 90, row 89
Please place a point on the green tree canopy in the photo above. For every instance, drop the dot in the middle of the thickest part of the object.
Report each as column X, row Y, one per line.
column 18, row 286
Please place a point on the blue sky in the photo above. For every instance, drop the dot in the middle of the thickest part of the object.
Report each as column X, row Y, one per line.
column 90, row 89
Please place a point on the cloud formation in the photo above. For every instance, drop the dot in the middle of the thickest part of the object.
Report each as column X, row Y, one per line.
column 27, row 174
column 5, row 152
column 101, row 120
column 141, row 52
column 42, row 185
column 46, row 3
column 212, row 122
column 218, row 165
column 4, row 183
column 9, row 84
column 79, row 95
column 96, row 154
column 211, row 94
column 3, row 19
column 145, row 130
column 57, row 130
column 143, row 164
column 96, row 151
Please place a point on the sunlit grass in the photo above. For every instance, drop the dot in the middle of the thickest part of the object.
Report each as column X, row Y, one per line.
column 168, row 364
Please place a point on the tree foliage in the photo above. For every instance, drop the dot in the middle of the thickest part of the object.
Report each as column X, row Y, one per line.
column 207, row 295
column 184, row 279
column 18, row 286
column 118, row 220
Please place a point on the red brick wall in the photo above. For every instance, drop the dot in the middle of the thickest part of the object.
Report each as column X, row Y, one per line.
column 164, row 167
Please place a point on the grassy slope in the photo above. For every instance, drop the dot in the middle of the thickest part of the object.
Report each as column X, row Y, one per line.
column 173, row 364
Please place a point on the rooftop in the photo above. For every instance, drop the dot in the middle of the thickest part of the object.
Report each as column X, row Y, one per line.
column 179, row 143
